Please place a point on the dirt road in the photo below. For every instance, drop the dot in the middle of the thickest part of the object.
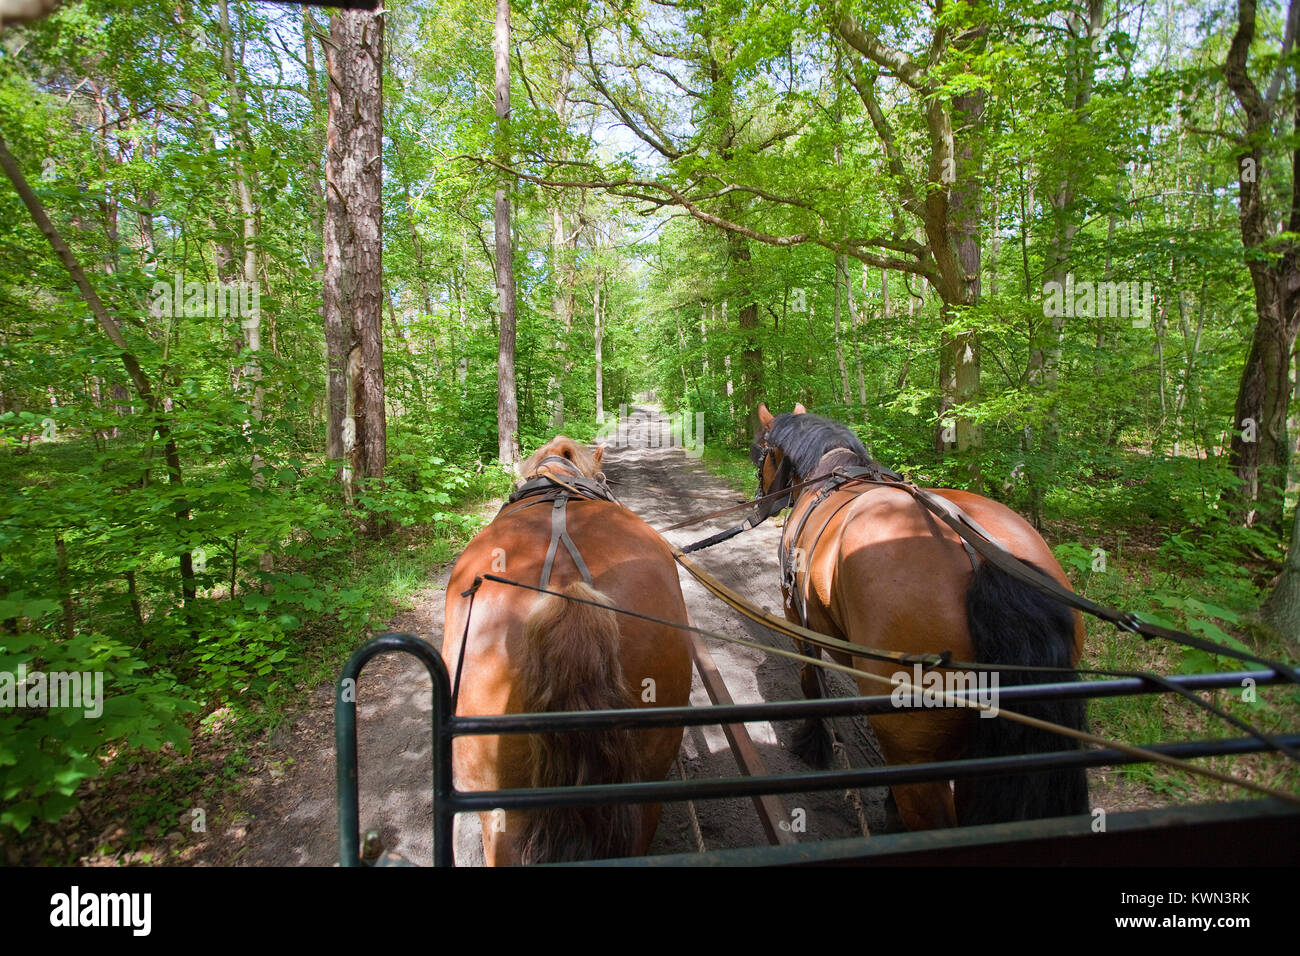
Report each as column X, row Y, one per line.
column 293, row 814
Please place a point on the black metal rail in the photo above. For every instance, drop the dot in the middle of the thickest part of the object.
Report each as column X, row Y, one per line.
column 447, row 801
column 1244, row 833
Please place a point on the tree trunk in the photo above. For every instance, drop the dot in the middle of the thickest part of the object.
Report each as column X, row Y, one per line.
column 354, row 239
column 960, row 353
column 705, row 309
column 563, row 249
column 507, row 401
column 751, row 356
column 1260, row 447
column 251, row 324
column 1282, row 609
column 598, row 321
column 315, row 194
column 839, row 341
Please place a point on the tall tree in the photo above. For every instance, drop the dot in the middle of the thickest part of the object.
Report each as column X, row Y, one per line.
column 947, row 203
column 354, row 241
column 507, row 401
column 1282, row 607
column 1260, row 446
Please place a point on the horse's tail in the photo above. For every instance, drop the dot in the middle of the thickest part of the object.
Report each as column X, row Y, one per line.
column 571, row 662
column 1012, row 623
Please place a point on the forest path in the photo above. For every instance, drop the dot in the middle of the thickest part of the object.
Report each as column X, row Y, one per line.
column 292, row 819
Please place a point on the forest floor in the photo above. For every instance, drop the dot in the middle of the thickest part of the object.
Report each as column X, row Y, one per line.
column 277, row 805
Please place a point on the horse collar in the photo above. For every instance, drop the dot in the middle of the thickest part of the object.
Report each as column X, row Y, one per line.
column 542, row 466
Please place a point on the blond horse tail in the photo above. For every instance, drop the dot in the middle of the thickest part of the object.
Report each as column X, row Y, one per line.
column 571, row 662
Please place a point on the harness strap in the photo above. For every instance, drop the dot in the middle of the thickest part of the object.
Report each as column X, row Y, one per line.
column 962, row 516
column 790, row 566
column 764, row 507
column 976, row 538
column 852, row 502
column 464, row 641
column 560, row 533
column 543, row 486
column 969, row 530
column 721, row 536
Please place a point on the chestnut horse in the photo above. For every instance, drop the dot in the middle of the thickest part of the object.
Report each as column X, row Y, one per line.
column 531, row 653
column 876, row 568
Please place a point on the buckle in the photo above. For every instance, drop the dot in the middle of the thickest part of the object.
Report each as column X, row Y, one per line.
column 1129, row 622
column 928, row 661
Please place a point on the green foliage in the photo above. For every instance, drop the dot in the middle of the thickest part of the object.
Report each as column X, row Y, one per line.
column 421, row 486
column 47, row 752
column 1075, row 557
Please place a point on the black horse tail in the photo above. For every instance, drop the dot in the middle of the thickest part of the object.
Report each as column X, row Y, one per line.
column 1012, row 623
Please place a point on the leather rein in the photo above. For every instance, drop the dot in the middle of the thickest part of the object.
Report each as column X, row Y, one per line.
column 544, row 485
column 974, row 538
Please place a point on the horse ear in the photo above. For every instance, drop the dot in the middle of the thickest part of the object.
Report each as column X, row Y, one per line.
column 598, row 455
column 764, row 416
column 799, row 409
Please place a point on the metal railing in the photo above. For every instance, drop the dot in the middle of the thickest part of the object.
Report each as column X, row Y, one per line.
column 447, row 801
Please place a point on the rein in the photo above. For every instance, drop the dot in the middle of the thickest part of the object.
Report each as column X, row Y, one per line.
column 756, row 500
column 944, row 661
column 970, row 532
column 949, row 697
column 974, row 537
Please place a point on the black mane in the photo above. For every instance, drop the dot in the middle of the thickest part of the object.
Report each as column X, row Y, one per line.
column 804, row 439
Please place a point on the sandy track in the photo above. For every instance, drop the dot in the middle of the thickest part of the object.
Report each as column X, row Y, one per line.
column 292, row 819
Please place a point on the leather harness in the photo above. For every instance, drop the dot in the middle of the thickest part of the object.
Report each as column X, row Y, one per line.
column 545, row 487
column 976, row 538
column 874, row 475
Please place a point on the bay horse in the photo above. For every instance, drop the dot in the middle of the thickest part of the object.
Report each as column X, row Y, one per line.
column 876, row 568
column 532, row 653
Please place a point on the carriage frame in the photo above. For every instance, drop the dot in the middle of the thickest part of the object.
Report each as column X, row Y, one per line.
column 1249, row 832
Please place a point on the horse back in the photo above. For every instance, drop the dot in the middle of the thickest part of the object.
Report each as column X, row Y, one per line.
column 631, row 569
column 889, row 570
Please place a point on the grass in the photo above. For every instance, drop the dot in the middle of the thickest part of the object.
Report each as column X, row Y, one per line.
column 1145, row 580
column 732, row 465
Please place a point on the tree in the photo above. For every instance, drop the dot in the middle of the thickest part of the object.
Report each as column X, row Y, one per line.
column 1282, row 608
column 507, row 400
column 1260, row 446
column 947, row 203
column 354, row 243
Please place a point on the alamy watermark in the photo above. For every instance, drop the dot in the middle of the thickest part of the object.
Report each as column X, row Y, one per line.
column 69, row 690
column 1087, row 299
column 641, row 430
column 75, row 908
column 217, row 300
column 922, row 688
